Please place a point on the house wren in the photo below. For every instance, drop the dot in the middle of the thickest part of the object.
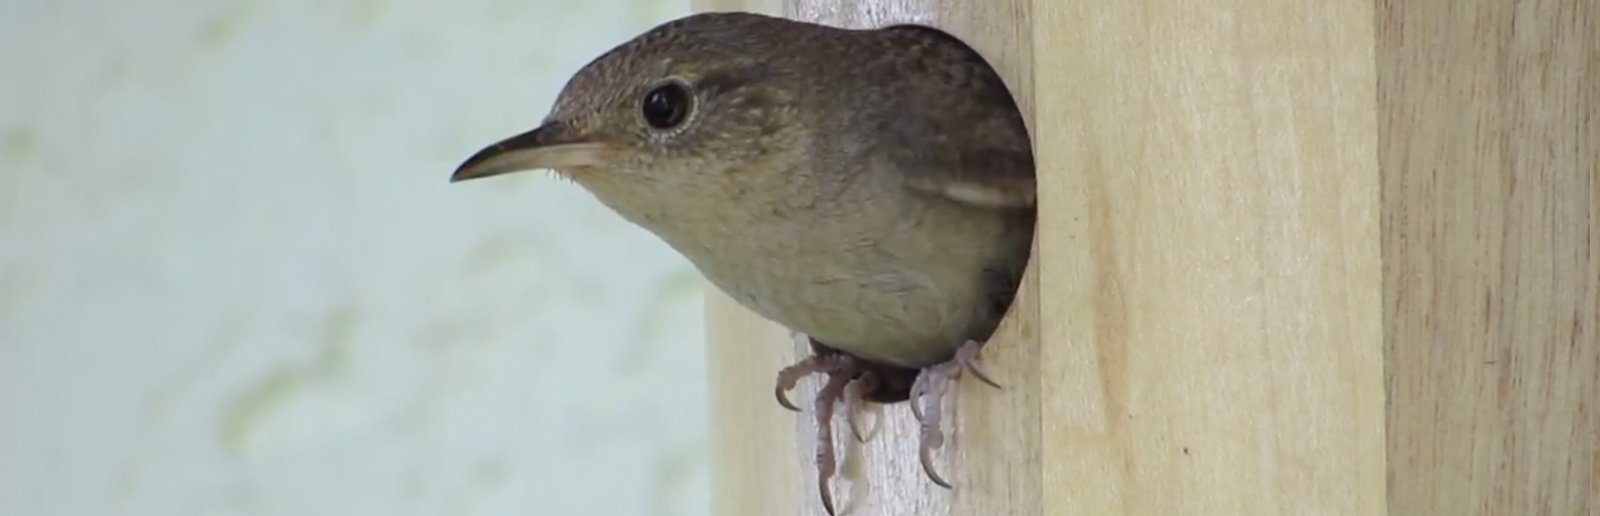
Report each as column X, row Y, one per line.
column 871, row 189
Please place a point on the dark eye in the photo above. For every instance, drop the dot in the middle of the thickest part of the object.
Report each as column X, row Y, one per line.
column 666, row 106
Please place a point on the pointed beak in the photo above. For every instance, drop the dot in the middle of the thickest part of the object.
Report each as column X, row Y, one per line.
column 551, row 146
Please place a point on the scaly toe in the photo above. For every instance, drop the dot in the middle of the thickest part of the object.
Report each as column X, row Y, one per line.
column 826, row 465
column 932, row 437
column 853, row 392
column 919, row 387
column 789, row 377
column 967, row 356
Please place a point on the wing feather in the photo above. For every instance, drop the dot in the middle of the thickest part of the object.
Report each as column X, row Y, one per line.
column 956, row 131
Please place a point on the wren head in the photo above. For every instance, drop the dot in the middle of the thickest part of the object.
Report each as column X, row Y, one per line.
column 667, row 112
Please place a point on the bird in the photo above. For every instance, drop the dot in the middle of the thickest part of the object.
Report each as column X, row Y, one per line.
column 870, row 189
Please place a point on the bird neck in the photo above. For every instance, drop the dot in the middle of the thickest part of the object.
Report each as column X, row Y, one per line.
column 706, row 212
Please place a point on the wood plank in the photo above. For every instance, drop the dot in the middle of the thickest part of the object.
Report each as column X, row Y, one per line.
column 1212, row 337
column 1490, row 123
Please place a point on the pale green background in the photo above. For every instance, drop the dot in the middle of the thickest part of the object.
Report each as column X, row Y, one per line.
column 234, row 279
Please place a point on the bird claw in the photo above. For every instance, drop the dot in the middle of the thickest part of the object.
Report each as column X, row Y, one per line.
column 826, row 465
column 967, row 358
column 790, row 376
column 853, row 393
column 927, row 399
column 847, row 383
column 925, row 454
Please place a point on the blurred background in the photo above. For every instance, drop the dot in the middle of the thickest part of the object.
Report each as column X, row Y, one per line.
column 234, row 279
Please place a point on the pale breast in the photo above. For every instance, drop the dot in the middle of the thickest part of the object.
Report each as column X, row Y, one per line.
column 873, row 271
column 874, row 307
column 898, row 297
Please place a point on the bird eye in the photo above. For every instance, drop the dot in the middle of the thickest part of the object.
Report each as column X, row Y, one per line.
column 666, row 106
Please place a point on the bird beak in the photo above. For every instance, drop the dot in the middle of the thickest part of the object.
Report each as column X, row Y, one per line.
column 551, row 146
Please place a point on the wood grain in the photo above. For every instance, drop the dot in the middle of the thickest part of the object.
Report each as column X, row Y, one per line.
column 1211, row 275
column 753, row 469
column 1216, row 319
column 1491, row 229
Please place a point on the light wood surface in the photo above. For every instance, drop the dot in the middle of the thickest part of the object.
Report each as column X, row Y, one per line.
column 1491, row 230
column 1212, row 280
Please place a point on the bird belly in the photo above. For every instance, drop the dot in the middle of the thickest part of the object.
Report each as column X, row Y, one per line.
column 879, row 309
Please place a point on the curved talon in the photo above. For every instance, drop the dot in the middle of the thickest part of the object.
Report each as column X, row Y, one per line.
column 825, row 470
column 918, row 388
column 852, row 401
column 788, row 377
column 932, row 435
column 967, row 355
column 783, row 401
column 928, row 392
column 824, row 474
column 851, row 382
column 826, row 466
column 927, row 468
column 982, row 377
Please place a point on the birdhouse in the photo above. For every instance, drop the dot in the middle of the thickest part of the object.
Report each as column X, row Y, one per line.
column 1291, row 258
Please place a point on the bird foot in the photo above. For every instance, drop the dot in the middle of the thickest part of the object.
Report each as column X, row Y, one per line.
column 927, row 398
column 848, row 382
